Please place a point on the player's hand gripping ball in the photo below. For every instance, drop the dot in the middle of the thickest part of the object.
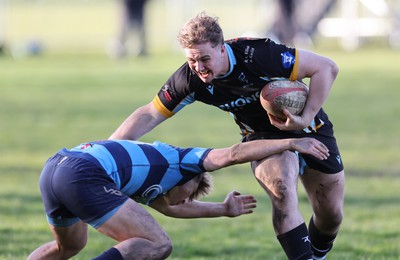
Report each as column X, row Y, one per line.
column 280, row 94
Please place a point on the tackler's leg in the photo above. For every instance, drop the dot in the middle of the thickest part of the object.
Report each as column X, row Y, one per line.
column 138, row 233
column 68, row 242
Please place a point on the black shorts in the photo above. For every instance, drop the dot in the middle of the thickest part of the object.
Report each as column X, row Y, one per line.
column 332, row 165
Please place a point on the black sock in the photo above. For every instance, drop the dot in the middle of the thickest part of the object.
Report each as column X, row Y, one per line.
column 296, row 244
column 321, row 243
column 110, row 254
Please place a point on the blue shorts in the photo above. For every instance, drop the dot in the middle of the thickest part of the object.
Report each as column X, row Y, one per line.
column 75, row 189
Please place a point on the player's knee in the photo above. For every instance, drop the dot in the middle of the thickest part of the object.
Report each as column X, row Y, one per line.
column 284, row 186
column 165, row 248
column 336, row 218
column 280, row 191
column 70, row 251
column 331, row 214
column 330, row 219
column 278, row 177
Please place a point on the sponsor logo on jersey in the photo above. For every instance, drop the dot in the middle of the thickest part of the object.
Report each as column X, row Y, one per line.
column 287, row 59
column 112, row 191
column 240, row 102
column 242, row 78
column 153, row 191
column 166, row 93
column 149, row 194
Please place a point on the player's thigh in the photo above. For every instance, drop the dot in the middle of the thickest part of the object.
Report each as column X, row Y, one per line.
column 278, row 172
column 73, row 237
column 325, row 191
column 132, row 220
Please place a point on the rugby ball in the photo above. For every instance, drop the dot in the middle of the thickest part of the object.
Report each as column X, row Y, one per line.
column 280, row 94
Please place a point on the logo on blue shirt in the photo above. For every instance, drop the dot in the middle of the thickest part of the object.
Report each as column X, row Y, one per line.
column 287, row 59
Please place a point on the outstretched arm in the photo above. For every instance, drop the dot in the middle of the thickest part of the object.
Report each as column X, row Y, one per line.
column 234, row 205
column 259, row 149
column 141, row 121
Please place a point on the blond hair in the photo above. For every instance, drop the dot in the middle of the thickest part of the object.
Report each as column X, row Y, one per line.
column 199, row 30
column 204, row 188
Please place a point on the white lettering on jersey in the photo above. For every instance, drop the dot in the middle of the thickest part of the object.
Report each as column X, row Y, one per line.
column 240, row 102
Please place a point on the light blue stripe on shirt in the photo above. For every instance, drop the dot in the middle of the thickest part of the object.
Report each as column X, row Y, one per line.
column 105, row 158
column 171, row 178
column 173, row 174
column 191, row 160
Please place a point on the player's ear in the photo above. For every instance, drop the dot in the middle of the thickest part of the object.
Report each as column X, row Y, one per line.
column 223, row 49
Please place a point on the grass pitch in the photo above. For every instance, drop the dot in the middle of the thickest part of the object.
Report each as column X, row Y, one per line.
column 49, row 102
column 61, row 98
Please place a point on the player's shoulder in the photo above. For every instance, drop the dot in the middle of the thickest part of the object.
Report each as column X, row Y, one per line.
column 245, row 40
column 250, row 42
column 253, row 40
column 184, row 81
column 184, row 74
column 247, row 47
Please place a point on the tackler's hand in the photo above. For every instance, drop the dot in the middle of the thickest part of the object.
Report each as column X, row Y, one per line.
column 237, row 204
column 311, row 146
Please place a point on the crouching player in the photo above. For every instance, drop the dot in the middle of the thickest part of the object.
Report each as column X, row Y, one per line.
column 101, row 183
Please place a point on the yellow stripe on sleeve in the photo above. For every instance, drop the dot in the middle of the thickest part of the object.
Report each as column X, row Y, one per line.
column 295, row 72
column 161, row 108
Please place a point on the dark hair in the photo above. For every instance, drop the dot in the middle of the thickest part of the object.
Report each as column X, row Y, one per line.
column 199, row 30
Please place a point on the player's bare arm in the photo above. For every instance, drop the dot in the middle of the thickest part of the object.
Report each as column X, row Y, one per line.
column 234, row 205
column 322, row 73
column 259, row 149
column 141, row 121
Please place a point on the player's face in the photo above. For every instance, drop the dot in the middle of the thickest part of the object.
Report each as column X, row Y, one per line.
column 179, row 194
column 208, row 62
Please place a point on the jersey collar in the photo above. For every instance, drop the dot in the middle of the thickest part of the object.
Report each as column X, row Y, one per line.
column 232, row 61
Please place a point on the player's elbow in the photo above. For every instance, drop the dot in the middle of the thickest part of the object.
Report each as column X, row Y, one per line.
column 333, row 68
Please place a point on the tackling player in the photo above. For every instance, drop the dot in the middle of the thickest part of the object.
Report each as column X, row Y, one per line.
column 101, row 183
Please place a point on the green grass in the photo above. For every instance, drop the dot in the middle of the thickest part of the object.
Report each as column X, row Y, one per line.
column 59, row 100
column 62, row 98
column 66, row 97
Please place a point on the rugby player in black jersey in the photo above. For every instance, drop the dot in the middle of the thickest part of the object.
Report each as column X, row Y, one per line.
column 230, row 75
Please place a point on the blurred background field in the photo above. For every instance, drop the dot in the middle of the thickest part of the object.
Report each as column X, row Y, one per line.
column 71, row 92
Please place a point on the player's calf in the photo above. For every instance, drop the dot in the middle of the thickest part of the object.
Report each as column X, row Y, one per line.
column 321, row 243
